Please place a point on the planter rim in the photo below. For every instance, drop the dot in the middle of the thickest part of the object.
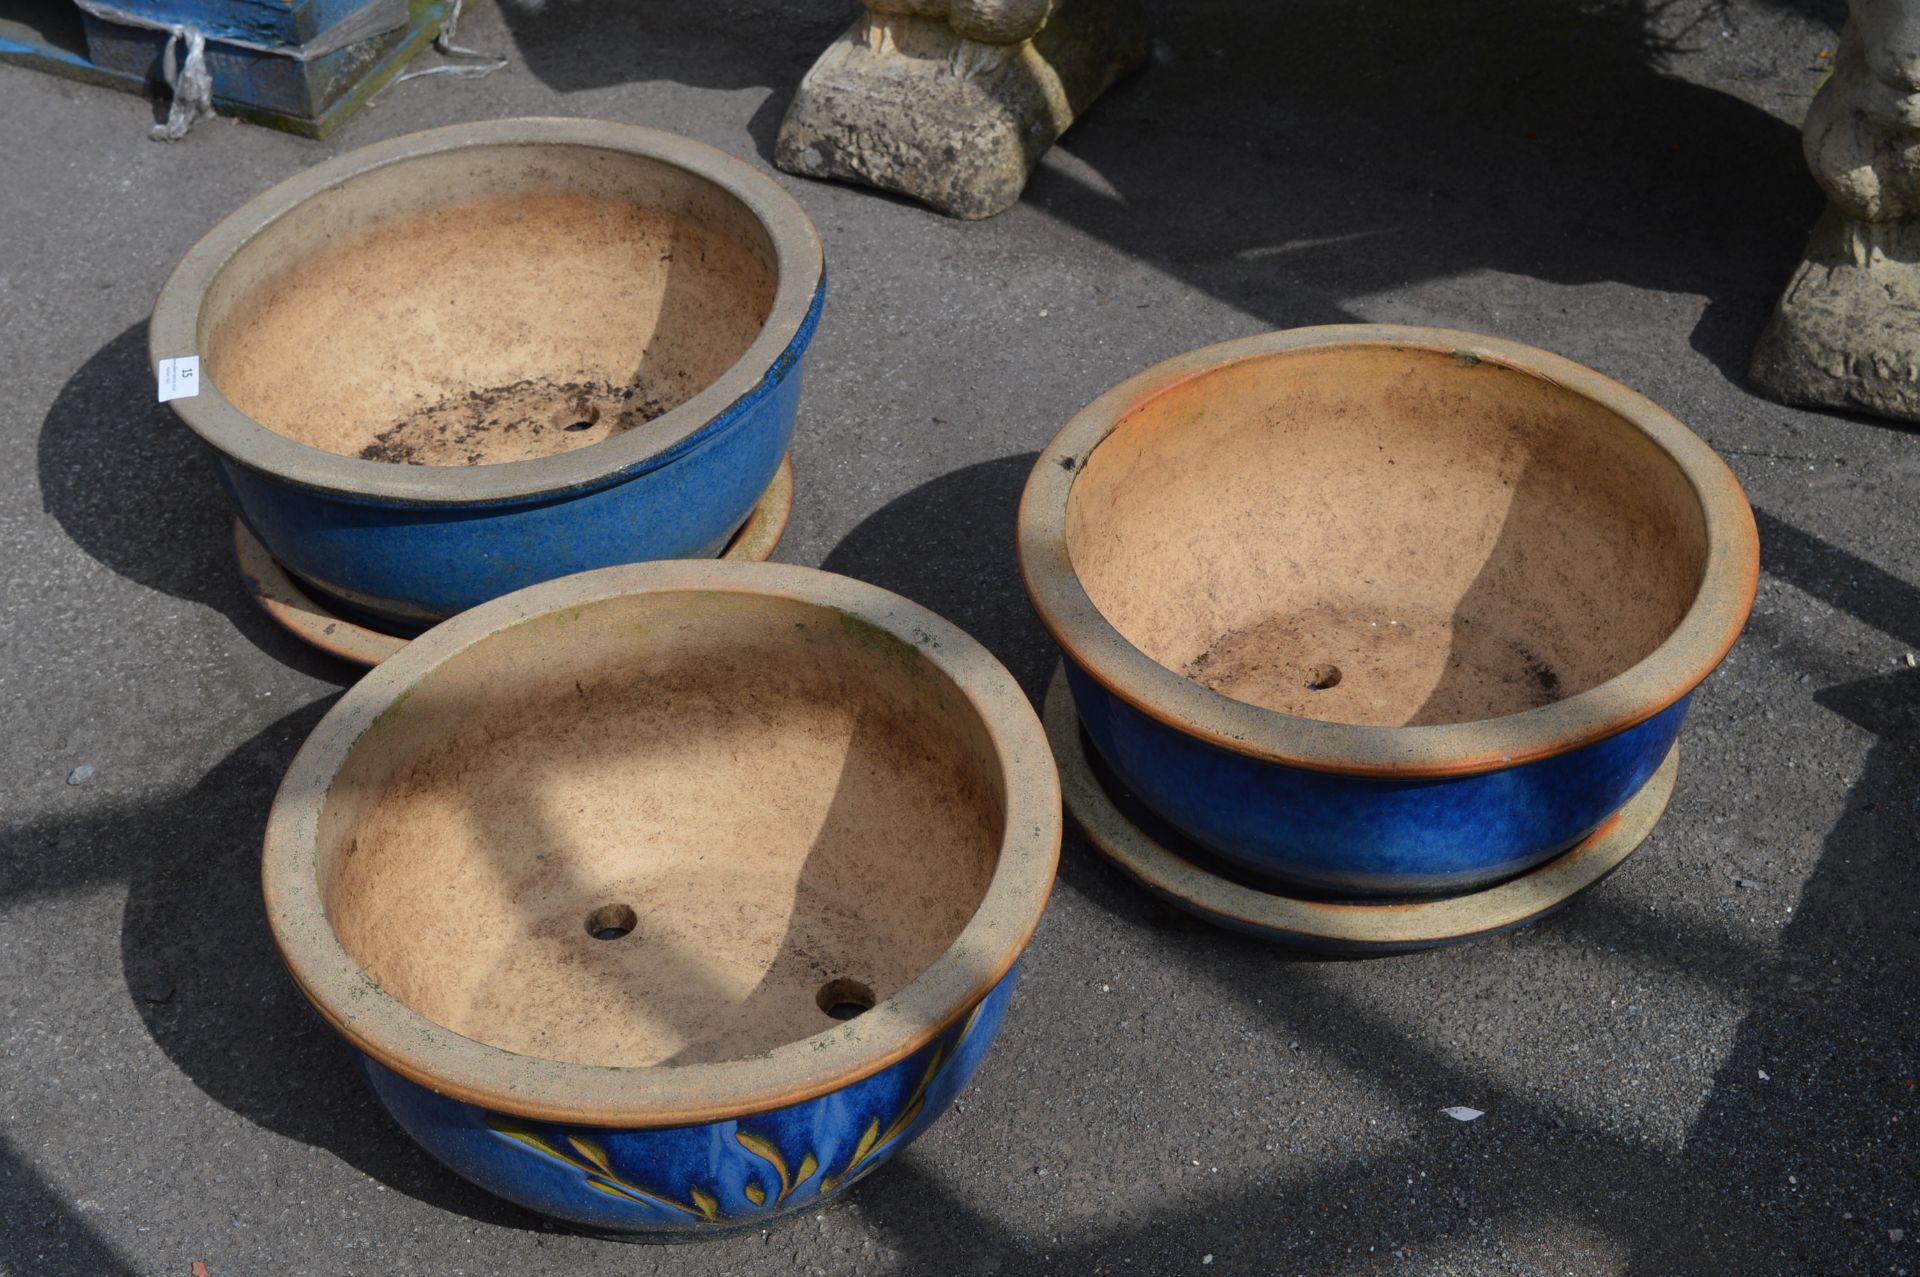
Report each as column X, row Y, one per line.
column 1683, row 659
column 376, row 1022
column 799, row 265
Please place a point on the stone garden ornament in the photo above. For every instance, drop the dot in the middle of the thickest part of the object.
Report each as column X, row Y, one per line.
column 952, row 102
column 1847, row 331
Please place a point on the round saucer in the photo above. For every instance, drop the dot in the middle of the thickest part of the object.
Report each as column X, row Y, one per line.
column 1173, row 871
column 309, row 620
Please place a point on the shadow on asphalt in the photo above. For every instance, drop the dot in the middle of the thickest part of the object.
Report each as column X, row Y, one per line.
column 1326, row 155
column 949, row 546
column 1281, row 157
column 1720, row 1203
column 578, row 46
column 133, row 487
column 201, row 969
column 1294, row 160
column 41, row 1233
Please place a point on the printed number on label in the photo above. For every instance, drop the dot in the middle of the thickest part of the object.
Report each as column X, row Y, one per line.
column 179, row 378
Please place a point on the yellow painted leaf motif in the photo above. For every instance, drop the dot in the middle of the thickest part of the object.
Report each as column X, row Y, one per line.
column 591, row 1160
column 866, row 1143
column 933, row 1071
column 592, row 1152
column 522, row 1135
column 612, row 1190
column 765, row 1148
column 874, row 1140
column 908, row 1117
column 627, row 1192
column 860, row 1151
column 917, row 1101
column 593, row 1164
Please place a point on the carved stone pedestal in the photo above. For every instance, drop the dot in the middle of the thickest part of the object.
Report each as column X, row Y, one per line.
column 952, row 102
column 1847, row 331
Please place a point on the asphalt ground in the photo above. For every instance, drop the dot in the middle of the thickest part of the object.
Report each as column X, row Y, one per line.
column 1706, row 1065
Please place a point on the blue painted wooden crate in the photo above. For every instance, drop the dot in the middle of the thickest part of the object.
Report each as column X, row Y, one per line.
column 275, row 22
column 307, row 97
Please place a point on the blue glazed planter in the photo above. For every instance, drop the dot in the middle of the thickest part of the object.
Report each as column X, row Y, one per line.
column 1159, row 860
column 405, row 567
column 1368, row 835
column 704, row 1179
column 672, row 897
column 1371, row 611
column 403, row 546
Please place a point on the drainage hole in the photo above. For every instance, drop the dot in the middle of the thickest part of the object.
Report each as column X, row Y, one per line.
column 844, row 999
column 1321, row 677
column 576, row 416
column 610, row 922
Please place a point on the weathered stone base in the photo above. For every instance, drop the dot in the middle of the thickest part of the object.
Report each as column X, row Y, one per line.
column 904, row 104
column 1847, row 331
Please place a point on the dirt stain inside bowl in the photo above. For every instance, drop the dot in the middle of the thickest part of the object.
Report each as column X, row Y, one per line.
column 489, row 329
column 736, row 834
column 1409, row 667
column 1385, row 537
column 532, row 417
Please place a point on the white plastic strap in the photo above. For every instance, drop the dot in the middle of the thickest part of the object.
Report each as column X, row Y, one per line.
column 444, row 45
column 192, row 85
column 192, row 81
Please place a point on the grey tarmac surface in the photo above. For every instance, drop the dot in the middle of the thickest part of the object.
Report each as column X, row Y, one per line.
column 1704, row 1066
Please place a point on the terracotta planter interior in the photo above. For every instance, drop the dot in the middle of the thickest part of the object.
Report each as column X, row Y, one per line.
column 488, row 304
column 1385, row 536
column 666, row 829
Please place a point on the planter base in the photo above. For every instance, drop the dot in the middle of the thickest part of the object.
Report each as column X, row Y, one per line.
column 1186, row 878
column 295, row 610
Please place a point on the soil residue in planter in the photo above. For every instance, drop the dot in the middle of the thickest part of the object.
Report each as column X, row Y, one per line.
column 533, row 417
column 1398, row 667
column 697, row 848
column 462, row 333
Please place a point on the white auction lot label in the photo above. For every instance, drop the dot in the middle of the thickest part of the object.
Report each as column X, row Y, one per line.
column 179, row 378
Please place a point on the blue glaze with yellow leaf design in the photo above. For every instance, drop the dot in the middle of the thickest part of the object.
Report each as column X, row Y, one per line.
column 712, row 1177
